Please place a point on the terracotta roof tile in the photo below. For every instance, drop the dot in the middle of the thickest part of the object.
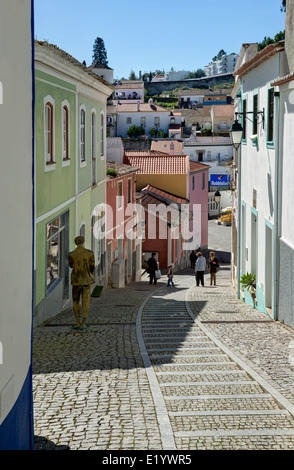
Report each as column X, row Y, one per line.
column 159, row 164
column 143, row 107
column 196, row 166
column 223, row 110
column 156, row 192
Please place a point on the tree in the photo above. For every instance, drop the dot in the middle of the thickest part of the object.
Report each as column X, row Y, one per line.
column 219, row 55
column 283, row 7
column 197, row 74
column 267, row 40
column 155, row 132
column 132, row 75
column 99, row 52
column 135, row 131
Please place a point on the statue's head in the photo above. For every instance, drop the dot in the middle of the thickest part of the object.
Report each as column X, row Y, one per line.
column 79, row 240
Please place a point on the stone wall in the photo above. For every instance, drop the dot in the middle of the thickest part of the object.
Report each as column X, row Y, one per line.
column 155, row 88
column 137, row 144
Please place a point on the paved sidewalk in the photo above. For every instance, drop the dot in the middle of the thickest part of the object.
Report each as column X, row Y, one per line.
column 259, row 341
column 91, row 390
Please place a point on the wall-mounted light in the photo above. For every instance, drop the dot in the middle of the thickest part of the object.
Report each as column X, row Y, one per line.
column 236, row 131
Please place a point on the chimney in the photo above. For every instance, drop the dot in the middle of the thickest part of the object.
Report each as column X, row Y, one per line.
column 289, row 35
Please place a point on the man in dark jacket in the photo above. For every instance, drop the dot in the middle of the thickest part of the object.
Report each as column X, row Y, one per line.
column 193, row 258
column 152, row 267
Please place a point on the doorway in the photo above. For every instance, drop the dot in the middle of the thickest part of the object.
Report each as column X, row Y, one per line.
column 243, row 239
column 253, row 243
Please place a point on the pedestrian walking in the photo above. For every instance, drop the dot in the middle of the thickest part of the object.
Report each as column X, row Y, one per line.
column 152, row 267
column 170, row 275
column 213, row 265
column 193, row 259
column 200, row 268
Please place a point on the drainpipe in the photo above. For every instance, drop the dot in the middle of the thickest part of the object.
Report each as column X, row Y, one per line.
column 276, row 207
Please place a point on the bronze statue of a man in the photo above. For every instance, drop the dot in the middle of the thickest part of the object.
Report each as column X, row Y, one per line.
column 82, row 262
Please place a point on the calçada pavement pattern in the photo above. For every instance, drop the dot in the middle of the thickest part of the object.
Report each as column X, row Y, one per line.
column 165, row 368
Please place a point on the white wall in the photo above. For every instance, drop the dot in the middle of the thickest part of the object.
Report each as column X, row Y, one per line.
column 258, row 171
column 225, row 151
column 106, row 74
column 122, row 126
column 115, row 149
column 16, row 197
column 287, row 174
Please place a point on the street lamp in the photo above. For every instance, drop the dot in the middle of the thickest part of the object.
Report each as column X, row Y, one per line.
column 236, row 133
column 217, row 197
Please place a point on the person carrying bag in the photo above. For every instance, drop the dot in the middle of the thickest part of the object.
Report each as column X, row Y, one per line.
column 213, row 265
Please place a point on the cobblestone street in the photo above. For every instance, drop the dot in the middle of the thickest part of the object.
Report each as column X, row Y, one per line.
column 163, row 368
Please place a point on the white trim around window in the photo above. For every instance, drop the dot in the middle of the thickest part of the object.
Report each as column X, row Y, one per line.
column 82, row 136
column 49, row 133
column 65, row 133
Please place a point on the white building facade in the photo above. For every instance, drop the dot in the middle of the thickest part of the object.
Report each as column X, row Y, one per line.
column 226, row 64
column 147, row 115
column 258, row 177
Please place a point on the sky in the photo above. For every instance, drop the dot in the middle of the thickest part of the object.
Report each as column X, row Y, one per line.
column 156, row 34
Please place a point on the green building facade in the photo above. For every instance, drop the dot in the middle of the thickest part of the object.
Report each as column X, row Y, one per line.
column 70, row 172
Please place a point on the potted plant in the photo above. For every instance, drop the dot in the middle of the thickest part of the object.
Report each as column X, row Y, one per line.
column 248, row 281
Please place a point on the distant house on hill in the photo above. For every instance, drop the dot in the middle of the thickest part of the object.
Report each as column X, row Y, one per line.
column 129, row 91
column 102, row 71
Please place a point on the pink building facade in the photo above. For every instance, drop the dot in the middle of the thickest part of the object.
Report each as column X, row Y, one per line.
column 198, row 198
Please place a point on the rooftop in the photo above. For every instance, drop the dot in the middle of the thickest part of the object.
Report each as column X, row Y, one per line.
column 52, row 48
column 260, row 57
column 121, row 169
column 98, row 65
column 140, row 107
column 163, row 164
column 196, row 166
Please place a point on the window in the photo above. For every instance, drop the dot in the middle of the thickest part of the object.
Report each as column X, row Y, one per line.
column 102, row 135
column 255, row 115
column 129, row 190
column 93, row 135
column 119, row 195
column 49, row 156
column 83, row 136
column 65, row 132
column 244, row 118
column 93, row 146
column 57, row 249
column 203, row 180
column 193, row 183
column 129, row 120
column 270, row 129
column 143, row 121
column 157, row 121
